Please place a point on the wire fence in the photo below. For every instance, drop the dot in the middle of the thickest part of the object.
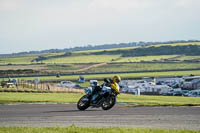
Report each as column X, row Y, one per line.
column 27, row 85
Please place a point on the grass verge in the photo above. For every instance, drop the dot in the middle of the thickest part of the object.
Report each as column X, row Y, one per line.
column 12, row 97
column 74, row 129
column 122, row 75
column 131, row 100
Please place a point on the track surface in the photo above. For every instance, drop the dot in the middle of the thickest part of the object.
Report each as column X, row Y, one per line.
column 119, row 115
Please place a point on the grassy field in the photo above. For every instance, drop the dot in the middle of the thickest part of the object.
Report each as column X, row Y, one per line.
column 73, row 64
column 23, row 66
column 145, row 58
column 111, row 67
column 53, row 68
column 63, row 67
column 84, row 59
column 100, row 50
column 71, row 59
column 182, row 58
column 120, row 67
column 160, row 58
column 74, row 129
column 133, row 100
column 93, row 59
column 79, row 57
column 39, row 97
column 18, row 59
column 122, row 75
column 176, row 44
column 128, row 48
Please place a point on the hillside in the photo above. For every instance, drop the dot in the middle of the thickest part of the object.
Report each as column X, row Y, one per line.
column 104, row 46
column 160, row 52
column 189, row 50
column 152, row 58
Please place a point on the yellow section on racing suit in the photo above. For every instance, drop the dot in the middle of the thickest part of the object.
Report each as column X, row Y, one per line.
column 115, row 87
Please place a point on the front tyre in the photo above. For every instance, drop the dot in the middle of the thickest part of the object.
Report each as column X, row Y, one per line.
column 109, row 102
column 83, row 103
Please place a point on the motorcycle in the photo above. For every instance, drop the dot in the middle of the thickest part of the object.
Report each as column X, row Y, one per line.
column 97, row 96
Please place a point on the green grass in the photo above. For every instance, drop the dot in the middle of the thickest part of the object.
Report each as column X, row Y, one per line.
column 122, row 75
column 119, row 67
column 53, row 54
column 18, row 59
column 6, row 97
column 83, row 59
column 128, row 48
column 133, row 100
column 26, row 59
column 23, row 67
column 144, row 58
column 92, row 59
column 182, row 58
column 65, row 66
column 74, row 129
column 111, row 67
column 176, row 44
column 78, row 58
column 101, row 50
column 145, row 100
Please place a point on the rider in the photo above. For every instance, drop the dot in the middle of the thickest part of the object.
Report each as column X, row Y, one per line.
column 115, row 83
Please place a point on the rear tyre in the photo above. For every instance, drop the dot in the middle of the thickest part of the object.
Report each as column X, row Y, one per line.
column 109, row 102
column 83, row 103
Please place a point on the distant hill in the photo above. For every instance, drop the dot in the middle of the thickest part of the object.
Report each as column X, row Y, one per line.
column 97, row 47
column 188, row 50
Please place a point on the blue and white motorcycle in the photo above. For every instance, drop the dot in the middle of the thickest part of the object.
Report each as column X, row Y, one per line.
column 97, row 96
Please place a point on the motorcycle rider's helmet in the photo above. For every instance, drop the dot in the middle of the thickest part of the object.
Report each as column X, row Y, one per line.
column 116, row 79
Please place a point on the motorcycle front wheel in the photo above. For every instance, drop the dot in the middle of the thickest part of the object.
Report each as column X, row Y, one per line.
column 109, row 102
column 83, row 103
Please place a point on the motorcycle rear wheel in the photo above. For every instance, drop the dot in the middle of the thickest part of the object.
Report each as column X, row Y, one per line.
column 83, row 105
column 109, row 103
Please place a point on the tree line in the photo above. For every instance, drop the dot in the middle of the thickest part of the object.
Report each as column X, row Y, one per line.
column 190, row 50
column 96, row 47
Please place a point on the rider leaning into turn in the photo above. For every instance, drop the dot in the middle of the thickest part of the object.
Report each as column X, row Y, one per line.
column 112, row 83
column 115, row 83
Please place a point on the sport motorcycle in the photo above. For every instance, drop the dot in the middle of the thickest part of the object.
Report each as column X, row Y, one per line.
column 98, row 96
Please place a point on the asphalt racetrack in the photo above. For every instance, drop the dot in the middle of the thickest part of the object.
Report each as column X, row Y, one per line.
column 119, row 116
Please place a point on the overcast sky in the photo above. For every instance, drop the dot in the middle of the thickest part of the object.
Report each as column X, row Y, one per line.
column 27, row 25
